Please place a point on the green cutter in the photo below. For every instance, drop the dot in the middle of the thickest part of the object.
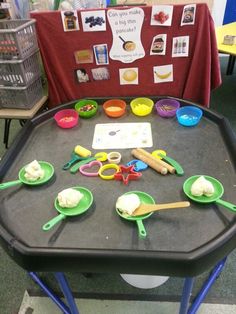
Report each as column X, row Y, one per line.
column 76, row 167
column 179, row 170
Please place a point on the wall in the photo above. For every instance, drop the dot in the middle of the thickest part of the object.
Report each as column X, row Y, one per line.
column 223, row 11
column 218, row 11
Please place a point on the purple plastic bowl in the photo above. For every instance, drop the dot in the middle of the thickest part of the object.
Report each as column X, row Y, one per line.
column 166, row 108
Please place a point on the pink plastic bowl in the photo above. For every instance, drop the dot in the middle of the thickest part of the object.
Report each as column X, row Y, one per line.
column 166, row 108
column 66, row 118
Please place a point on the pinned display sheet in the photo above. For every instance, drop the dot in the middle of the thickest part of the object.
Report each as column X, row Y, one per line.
column 122, row 135
column 126, row 26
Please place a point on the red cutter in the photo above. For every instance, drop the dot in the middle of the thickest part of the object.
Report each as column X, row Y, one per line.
column 127, row 173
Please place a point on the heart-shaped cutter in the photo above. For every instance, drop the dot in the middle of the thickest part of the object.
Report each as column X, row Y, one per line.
column 93, row 163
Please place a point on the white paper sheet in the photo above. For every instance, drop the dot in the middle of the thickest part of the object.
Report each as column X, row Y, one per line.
column 122, row 135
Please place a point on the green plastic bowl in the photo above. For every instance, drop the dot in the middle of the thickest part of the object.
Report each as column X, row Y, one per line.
column 86, row 108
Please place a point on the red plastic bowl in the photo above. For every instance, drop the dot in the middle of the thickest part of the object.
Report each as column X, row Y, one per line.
column 66, row 118
column 166, row 108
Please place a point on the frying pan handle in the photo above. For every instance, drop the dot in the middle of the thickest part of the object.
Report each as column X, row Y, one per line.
column 227, row 205
column 122, row 39
column 51, row 223
column 6, row 185
column 141, row 230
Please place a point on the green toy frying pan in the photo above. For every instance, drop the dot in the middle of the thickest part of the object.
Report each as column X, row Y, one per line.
column 82, row 207
column 145, row 199
column 216, row 197
column 48, row 173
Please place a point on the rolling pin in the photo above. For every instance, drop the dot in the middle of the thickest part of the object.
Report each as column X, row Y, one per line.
column 161, row 162
column 149, row 161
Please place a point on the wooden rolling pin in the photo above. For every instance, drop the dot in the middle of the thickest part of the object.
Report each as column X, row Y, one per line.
column 152, row 162
column 148, row 208
column 161, row 162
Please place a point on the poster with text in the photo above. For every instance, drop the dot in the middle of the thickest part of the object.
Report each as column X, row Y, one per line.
column 126, row 28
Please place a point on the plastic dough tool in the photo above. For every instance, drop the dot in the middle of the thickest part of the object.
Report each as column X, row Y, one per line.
column 127, row 173
column 146, row 199
column 139, row 165
column 179, row 170
column 48, row 173
column 84, row 168
column 74, row 158
column 216, row 197
column 149, row 208
column 82, row 207
column 76, row 167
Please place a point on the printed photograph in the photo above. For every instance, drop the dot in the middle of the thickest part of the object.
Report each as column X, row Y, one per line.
column 81, row 76
column 100, row 74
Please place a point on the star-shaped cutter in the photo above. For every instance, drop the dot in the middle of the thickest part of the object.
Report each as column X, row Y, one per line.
column 127, row 173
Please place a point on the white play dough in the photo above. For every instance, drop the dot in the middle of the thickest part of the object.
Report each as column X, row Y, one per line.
column 69, row 198
column 208, row 188
column 202, row 186
column 128, row 203
column 33, row 171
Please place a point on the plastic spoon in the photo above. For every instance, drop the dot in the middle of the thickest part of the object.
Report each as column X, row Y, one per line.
column 149, row 208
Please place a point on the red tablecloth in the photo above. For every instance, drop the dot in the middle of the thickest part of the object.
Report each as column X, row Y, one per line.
column 194, row 76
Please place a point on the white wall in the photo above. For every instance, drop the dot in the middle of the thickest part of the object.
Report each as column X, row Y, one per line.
column 218, row 11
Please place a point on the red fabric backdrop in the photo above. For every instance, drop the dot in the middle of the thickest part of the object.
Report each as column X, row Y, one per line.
column 194, row 76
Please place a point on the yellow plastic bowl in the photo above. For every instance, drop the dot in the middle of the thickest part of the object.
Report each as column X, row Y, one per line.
column 141, row 106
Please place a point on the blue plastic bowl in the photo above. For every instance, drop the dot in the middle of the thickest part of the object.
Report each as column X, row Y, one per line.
column 189, row 115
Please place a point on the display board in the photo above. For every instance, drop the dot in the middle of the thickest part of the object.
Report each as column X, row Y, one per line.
column 129, row 51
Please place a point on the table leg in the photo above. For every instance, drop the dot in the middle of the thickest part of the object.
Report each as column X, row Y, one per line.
column 6, row 131
column 230, row 66
column 67, row 292
column 50, row 294
column 206, row 286
column 22, row 122
column 186, row 294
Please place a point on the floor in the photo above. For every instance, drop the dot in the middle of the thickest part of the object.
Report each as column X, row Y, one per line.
column 42, row 305
column 14, row 280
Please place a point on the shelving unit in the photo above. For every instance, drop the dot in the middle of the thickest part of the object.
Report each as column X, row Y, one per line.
column 21, row 90
column 20, row 84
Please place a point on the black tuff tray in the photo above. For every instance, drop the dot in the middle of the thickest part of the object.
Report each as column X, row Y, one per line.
column 180, row 242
